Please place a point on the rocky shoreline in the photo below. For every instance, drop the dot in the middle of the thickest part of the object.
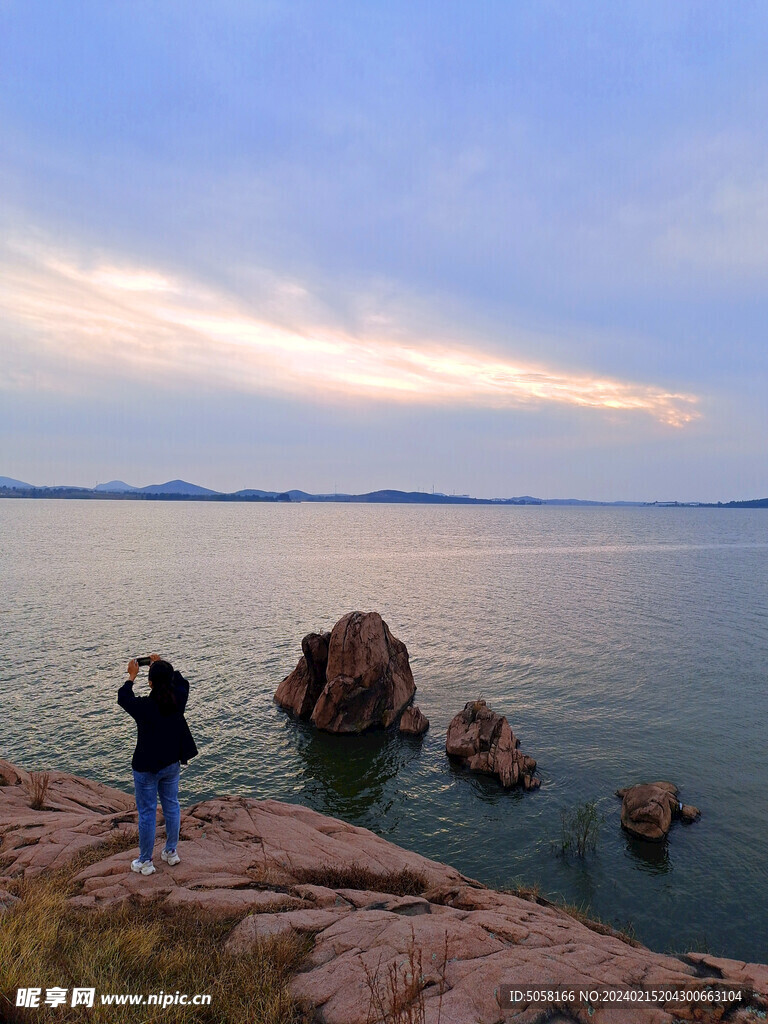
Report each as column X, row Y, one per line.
column 369, row 908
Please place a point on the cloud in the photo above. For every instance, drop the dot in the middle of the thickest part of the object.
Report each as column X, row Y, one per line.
column 118, row 319
column 699, row 213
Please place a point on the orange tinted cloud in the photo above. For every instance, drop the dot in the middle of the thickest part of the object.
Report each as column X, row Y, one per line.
column 136, row 319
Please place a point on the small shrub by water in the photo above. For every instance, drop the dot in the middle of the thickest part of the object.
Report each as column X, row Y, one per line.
column 38, row 789
column 580, row 829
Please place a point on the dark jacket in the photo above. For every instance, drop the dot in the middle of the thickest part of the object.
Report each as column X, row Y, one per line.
column 161, row 739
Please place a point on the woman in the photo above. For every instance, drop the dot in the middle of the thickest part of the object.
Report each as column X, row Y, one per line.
column 163, row 741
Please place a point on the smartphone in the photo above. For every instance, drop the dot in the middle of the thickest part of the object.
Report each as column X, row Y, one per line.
column 143, row 661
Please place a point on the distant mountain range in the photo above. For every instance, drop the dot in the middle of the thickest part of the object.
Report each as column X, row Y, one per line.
column 8, row 481
column 182, row 490
column 170, row 487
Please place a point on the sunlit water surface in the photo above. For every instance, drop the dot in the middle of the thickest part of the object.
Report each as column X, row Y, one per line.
column 622, row 644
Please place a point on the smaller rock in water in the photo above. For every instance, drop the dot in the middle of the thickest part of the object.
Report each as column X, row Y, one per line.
column 413, row 722
column 483, row 741
column 689, row 813
column 648, row 810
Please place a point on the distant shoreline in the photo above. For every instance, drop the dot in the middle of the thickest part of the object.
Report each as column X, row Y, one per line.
column 388, row 497
column 68, row 493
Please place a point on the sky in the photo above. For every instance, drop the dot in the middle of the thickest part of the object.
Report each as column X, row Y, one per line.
column 492, row 248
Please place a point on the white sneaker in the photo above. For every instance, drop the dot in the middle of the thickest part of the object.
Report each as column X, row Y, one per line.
column 170, row 857
column 143, row 867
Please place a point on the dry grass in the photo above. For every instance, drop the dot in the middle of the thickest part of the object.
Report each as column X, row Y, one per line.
column 532, row 893
column 580, row 912
column 117, row 842
column 357, row 876
column 396, row 995
column 38, row 789
column 584, row 915
column 137, row 948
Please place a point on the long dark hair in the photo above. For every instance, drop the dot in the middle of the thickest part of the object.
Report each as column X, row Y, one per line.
column 161, row 677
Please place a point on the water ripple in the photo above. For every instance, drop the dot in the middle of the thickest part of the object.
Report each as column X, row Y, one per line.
column 623, row 644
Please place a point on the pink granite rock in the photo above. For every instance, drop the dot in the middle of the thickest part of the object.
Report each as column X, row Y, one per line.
column 453, row 959
column 482, row 741
column 77, row 815
column 257, row 858
column 239, row 844
column 753, row 976
column 688, row 813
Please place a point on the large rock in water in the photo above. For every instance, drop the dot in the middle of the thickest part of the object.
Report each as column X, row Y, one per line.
column 647, row 810
column 483, row 742
column 369, row 676
column 355, row 678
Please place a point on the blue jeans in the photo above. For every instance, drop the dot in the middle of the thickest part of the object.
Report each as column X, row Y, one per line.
column 147, row 786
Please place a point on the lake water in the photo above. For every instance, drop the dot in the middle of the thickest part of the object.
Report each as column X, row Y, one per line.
column 623, row 645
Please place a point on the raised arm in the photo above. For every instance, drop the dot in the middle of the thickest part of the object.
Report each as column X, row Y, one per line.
column 126, row 698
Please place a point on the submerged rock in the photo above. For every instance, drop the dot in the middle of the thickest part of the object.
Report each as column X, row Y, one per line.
column 413, row 722
column 483, row 741
column 648, row 809
column 354, row 678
